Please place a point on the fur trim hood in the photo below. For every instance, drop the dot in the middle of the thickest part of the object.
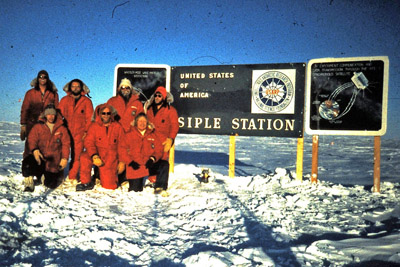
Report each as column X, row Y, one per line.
column 52, row 85
column 99, row 108
column 150, row 126
column 85, row 88
column 59, row 118
column 169, row 100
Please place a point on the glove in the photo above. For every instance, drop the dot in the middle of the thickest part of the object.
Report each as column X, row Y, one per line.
column 134, row 165
column 97, row 161
column 150, row 162
column 167, row 144
column 120, row 167
column 22, row 133
column 63, row 164
column 38, row 156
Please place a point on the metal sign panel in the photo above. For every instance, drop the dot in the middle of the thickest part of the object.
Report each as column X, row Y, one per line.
column 248, row 100
column 347, row 96
column 144, row 77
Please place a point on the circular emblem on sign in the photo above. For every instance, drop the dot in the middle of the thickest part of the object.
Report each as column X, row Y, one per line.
column 273, row 91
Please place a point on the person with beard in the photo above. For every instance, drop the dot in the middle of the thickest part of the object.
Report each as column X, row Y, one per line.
column 101, row 150
column 127, row 103
column 49, row 146
column 77, row 110
column 165, row 119
column 128, row 106
column 44, row 92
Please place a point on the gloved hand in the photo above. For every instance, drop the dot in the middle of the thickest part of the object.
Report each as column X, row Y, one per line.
column 120, row 167
column 150, row 162
column 62, row 164
column 38, row 156
column 22, row 133
column 97, row 161
column 167, row 144
column 134, row 165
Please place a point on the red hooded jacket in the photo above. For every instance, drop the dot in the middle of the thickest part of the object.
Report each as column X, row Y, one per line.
column 126, row 111
column 53, row 145
column 102, row 140
column 164, row 119
column 77, row 115
column 140, row 148
column 33, row 105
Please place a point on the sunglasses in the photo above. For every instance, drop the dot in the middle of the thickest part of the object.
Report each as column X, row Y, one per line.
column 42, row 77
column 106, row 113
column 158, row 95
column 123, row 87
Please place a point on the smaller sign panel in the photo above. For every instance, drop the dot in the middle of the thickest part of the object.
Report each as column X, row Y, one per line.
column 144, row 77
column 347, row 96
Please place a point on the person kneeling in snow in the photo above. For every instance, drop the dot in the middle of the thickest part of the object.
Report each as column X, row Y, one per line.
column 49, row 144
column 101, row 144
column 140, row 150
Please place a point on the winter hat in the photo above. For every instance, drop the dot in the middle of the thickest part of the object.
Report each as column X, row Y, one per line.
column 50, row 110
column 125, row 82
column 162, row 91
column 43, row 72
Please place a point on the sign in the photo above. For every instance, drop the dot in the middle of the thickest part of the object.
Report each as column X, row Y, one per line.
column 347, row 96
column 248, row 100
column 144, row 77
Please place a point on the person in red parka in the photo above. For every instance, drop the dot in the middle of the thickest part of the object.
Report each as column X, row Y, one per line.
column 165, row 119
column 77, row 110
column 128, row 106
column 140, row 150
column 127, row 103
column 49, row 146
column 44, row 92
column 101, row 149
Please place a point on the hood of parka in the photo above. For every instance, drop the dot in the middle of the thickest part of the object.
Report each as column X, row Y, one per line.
column 96, row 114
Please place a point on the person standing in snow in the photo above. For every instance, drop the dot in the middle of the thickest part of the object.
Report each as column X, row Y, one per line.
column 101, row 149
column 77, row 110
column 165, row 119
column 140, row 150
column 44, row 92
column 128, row 106
column 49, row 146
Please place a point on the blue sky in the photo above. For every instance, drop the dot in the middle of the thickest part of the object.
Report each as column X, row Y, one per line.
column 87, row 39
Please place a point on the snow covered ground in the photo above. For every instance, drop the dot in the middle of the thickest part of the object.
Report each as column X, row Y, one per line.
column 262, row 217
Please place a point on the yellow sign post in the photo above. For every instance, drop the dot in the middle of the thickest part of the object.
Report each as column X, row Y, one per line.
column 232, row 152
column 299, row 163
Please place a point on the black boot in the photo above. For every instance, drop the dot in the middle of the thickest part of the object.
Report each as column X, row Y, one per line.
column 84, row 187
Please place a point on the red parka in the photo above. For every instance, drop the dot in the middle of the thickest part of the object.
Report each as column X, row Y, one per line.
column 53, row 145
column 103, row 141
column 77, row 115
column 165, row 119
column 139, row 148
column 126, row 111
column 34, row 103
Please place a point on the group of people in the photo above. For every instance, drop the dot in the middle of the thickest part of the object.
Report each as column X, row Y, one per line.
column 121, row 141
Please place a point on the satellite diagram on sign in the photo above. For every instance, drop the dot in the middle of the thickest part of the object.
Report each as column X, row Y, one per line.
column 330, row 108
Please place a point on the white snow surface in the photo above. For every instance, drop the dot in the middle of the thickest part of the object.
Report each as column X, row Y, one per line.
column 262, row 217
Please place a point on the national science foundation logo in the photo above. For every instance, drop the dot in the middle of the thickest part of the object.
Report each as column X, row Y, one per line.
column 273, row 91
